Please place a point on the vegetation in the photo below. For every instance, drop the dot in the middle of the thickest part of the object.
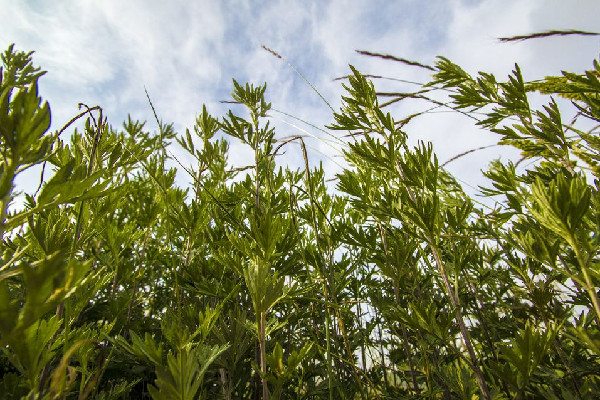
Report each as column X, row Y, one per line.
column 266, row 283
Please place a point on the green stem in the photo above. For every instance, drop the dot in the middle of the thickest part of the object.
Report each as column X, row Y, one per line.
column 327, row 280
column 6, row 186
column 474, row 364
column 461, row 322
column 589, row 286
column 405, row 342
column 263, row 354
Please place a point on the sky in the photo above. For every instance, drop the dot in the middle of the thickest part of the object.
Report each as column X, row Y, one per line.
column 185, row 53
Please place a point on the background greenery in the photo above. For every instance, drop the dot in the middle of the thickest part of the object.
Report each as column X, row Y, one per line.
column 264, row 282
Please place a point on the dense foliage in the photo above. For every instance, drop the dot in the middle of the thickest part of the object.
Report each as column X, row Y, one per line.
column 264, row 282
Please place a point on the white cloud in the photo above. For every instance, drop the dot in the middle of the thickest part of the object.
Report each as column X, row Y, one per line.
column 185, row 53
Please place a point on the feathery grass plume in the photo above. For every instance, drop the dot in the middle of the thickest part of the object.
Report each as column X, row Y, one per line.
column 537, row 35
column 71, row 121
column 370, row 76
column 394, row 58
column 464, row 153
column 309, row 124
column 275, row 54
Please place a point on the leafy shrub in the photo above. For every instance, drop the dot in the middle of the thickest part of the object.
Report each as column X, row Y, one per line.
column 115, row 283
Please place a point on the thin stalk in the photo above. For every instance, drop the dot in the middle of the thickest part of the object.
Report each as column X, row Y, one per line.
column 6, row 189
column 359, row 322
column 474, row 364
column 350, row 356
column 480, row 306
column 558, row 345
column 326, row 291
column 256, row 378
column 328, row 345
column 382, row 353
column 225, row 386
column 397, row 300
column 263, row 354
column 261, row 314
column 62, row 310
column 589, row 286
column 572, row 376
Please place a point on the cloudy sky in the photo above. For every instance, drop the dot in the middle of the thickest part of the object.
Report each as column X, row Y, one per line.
column 186, row 53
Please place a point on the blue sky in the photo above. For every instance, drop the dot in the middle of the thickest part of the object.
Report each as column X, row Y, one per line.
column 186, row 52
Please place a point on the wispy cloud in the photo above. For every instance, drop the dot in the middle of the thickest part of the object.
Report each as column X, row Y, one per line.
column 186, row 53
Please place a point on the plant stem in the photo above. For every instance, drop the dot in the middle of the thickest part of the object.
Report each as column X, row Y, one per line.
column 263, row 354
column 328, row 282
column 6, row 191
column 589, row 286
column 461, row 323
column 405, row 342
column 454, row 300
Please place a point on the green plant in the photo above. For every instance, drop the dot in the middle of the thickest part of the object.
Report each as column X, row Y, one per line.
column 264, row 282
